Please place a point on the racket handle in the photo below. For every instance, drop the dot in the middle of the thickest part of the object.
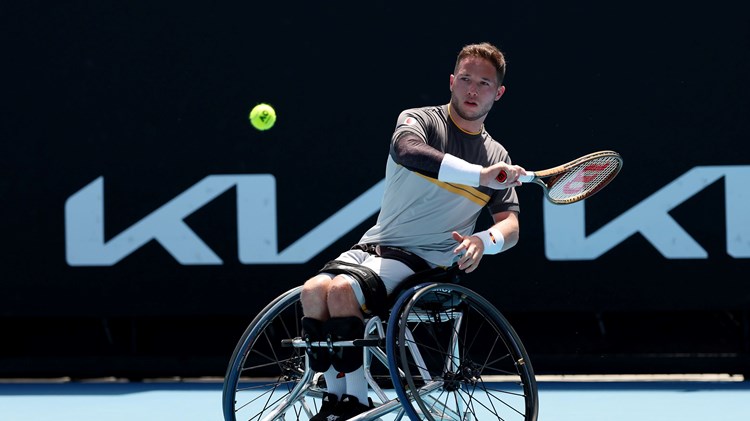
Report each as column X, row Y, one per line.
column 522, row 178
column 529, row 177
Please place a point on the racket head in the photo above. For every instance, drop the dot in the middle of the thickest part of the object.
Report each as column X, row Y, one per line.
column 581, row 178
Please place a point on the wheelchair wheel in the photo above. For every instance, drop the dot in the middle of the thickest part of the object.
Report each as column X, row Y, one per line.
column 453, row 356
column 265, row 381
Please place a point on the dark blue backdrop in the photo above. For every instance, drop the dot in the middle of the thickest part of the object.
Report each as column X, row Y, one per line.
column 154, row 98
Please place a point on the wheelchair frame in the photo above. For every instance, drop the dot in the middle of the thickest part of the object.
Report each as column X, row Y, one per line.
column 431, row 382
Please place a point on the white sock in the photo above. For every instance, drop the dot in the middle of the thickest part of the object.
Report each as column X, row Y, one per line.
column 336, row 385
column 356, row 385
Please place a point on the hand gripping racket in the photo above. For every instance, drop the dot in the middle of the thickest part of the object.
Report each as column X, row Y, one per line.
column 576, row 180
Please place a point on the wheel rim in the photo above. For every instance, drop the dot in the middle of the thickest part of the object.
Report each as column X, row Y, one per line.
column 263, row 374
column 472, row 363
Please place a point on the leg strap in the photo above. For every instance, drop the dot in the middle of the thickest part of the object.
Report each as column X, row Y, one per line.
column 346, row 359
column 370, row 284
column 314, row 330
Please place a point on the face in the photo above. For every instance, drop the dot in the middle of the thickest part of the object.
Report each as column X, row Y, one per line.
column 474, row 89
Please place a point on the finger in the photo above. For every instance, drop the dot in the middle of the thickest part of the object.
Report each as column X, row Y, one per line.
column 468, row 259
column 464, row 244
column 509, row 182
column 474, row 265
column 461, row 261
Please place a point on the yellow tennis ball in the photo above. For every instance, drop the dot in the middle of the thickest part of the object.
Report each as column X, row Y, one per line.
column 262, row 116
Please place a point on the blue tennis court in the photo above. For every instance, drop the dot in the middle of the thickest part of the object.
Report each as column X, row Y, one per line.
column 560, row 400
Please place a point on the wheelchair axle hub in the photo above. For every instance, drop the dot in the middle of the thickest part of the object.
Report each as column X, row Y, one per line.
column 293, row 369
column 468, row 372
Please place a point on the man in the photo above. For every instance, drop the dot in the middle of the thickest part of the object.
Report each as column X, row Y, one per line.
column 442, row 170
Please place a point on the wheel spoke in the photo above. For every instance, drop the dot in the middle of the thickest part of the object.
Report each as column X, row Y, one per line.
column 478, row 342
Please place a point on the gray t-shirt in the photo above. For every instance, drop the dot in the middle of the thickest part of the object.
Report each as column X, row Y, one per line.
column 418, row 212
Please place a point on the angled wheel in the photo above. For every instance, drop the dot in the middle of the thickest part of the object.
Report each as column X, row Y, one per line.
column 265, row 380
column 453, row 356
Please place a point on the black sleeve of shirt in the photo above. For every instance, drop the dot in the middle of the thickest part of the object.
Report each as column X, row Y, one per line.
column 417, row 156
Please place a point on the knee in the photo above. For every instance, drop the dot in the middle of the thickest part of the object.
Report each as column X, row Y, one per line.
column 315, row 292
column 341, row 295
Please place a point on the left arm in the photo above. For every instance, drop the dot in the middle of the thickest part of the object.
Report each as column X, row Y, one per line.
column 473, row 246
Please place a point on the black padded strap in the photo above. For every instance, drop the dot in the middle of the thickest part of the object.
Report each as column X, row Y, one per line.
column 414, row 262
column 369, row 282
column 314, row 330
column 346, row 359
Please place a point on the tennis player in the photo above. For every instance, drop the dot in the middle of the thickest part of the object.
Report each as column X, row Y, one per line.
column 440, row 174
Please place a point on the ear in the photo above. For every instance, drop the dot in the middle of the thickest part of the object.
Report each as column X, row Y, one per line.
column 500, row 92
column 451, row 82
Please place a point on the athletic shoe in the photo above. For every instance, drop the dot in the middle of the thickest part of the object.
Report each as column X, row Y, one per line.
column 327, row 408
column 349, row 407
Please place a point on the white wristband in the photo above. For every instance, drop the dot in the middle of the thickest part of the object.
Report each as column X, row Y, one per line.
column 493, row 240
column 456, row 170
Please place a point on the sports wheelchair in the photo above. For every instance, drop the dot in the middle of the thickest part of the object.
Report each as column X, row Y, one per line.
column 440, row 352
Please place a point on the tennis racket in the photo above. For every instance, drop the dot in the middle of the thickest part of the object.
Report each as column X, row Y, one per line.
column 577, row 180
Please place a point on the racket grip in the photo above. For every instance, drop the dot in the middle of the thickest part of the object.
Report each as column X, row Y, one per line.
column 522, row 178
column 529, row 177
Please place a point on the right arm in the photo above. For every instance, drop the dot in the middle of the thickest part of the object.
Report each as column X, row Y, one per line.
column 414, row 153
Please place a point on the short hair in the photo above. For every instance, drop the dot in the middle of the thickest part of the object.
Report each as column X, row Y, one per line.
column 486, row 51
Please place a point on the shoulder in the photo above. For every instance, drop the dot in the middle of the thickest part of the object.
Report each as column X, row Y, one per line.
column 495, row 150
column 433, row 111
column 425, row 116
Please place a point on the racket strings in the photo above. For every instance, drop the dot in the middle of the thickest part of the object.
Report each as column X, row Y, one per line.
column 584, row 179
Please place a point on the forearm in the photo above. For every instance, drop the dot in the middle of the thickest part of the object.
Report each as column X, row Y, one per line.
column 502, row 235
column 509, row 231
column 416, row 155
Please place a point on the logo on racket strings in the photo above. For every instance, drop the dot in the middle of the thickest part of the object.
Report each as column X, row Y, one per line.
column 583, row 177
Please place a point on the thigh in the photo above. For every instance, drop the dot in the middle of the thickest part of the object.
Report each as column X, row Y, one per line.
column 391, row 271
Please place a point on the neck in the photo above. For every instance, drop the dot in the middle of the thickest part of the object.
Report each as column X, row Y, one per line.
column 466, row 126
